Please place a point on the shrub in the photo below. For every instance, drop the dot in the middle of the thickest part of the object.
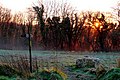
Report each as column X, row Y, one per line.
column 53, row 74
column 6, row 70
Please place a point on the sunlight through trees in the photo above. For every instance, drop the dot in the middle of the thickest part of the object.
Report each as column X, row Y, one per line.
column 58, row 26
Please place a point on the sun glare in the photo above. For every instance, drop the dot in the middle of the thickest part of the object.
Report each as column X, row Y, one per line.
column 97, row 24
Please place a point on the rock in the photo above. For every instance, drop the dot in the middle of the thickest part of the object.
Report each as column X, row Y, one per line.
column 92, row 70
column 87, row 61
column 97, row 62
column 100, row 70
column 79, row 63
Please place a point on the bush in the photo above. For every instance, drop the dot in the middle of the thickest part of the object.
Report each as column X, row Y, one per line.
column 48, row 75
column 6, row 70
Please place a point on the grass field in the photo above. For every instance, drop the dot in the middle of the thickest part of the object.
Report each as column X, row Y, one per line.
column 61, row 59
column 66, row 57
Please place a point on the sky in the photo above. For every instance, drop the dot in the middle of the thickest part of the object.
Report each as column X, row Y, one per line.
column 95, row 5
column 81, row 5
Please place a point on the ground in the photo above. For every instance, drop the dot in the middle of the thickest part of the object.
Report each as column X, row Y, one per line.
column 63, row 60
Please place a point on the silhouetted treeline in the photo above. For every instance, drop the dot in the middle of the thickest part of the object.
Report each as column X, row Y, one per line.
column 88, row 31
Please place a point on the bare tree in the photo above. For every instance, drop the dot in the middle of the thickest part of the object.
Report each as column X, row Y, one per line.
column 54, row 14
column 5, row 18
